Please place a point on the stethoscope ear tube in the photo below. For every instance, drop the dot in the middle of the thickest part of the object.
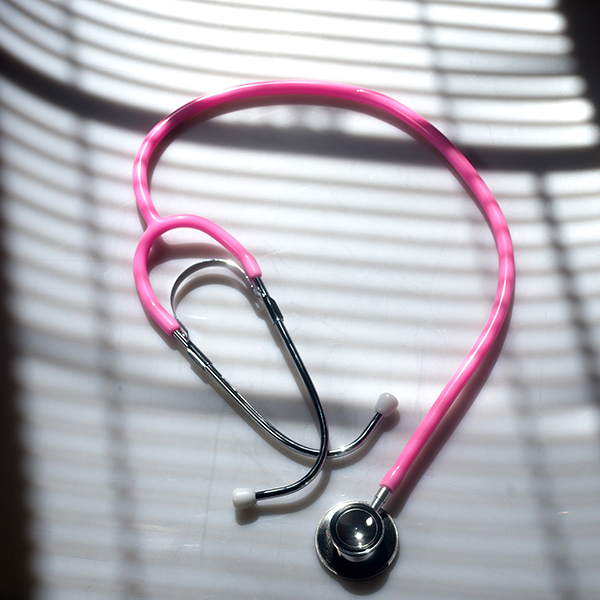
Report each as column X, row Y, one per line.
column 244, row 498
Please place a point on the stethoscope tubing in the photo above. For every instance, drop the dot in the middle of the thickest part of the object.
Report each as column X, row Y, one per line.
column 157, row 225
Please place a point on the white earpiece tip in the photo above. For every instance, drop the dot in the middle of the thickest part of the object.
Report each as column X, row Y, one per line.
column 244, row 498
column 386, row 404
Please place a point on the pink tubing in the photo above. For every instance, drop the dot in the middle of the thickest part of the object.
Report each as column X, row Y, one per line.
column 157, row 225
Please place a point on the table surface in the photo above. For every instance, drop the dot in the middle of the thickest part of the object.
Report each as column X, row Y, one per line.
column 381, row 263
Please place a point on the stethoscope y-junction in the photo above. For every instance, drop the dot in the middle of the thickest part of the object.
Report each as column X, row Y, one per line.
column 357, row 539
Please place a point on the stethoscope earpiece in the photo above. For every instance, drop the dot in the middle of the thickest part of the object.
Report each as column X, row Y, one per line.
column 243, row 498
column 355, row 541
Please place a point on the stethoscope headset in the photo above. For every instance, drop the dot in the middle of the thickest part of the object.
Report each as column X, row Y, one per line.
column 356, row 539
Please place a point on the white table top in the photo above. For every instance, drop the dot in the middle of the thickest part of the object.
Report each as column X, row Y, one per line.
column 382, row 265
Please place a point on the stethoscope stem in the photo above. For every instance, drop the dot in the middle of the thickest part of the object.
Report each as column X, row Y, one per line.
column 380, row 498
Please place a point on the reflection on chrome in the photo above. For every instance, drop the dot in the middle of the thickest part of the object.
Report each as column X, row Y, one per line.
column 130, row 461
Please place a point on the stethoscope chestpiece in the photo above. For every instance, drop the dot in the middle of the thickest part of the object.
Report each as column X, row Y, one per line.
column 355, row 541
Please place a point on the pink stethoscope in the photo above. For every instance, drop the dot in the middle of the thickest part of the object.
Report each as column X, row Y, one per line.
column 356, row 539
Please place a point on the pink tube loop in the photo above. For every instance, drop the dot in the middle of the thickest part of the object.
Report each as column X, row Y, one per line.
column 463, row 170
column 159, row 226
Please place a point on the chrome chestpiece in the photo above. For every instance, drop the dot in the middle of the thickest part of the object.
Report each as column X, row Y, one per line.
column 356, row 540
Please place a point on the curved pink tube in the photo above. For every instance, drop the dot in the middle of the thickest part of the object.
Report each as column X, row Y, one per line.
column 157, row 225
column 155, row 229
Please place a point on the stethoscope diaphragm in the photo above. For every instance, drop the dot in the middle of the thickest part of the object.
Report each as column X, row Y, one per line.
column 355, row 541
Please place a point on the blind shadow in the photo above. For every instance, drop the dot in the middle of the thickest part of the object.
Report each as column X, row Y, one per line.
column 17, row 578
column 96, row 356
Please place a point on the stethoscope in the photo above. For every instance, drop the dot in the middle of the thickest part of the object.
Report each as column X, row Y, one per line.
column 356, row 539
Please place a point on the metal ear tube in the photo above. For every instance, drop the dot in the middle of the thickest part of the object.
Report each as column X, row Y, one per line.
column 244, row 498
